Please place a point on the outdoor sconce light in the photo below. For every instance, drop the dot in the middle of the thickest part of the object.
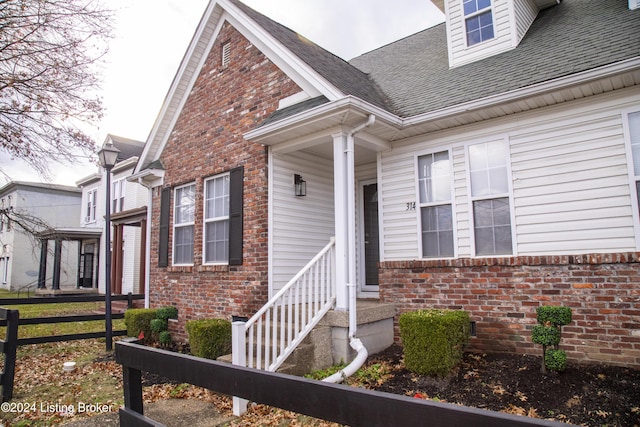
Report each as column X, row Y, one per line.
column 300, row 185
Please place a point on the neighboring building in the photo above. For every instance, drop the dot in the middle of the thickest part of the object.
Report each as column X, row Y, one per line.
column 41, row 206
column 486, row 164
column 128, row 218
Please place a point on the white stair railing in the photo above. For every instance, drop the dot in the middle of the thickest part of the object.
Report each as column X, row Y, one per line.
column 272, row 334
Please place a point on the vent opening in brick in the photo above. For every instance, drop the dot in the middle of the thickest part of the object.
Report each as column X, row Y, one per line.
column 226, row 54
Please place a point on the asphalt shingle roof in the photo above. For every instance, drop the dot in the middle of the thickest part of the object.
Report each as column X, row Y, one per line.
column 412, row 76
column 574, row 36
column 347, row 78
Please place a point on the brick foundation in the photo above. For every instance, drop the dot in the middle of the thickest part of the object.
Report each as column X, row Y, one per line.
column 207, row 140
column 502, row 294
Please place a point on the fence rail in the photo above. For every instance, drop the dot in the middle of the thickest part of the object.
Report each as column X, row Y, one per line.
column 339, row 403
column 11, row 319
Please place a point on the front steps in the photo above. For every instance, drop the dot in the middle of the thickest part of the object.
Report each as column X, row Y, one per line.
column 328, row 342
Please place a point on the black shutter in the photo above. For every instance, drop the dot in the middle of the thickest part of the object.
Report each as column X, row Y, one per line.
column 163, row 242
column 236, row 196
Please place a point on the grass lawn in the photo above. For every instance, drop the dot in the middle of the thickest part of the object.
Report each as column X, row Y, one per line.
column 57, row 309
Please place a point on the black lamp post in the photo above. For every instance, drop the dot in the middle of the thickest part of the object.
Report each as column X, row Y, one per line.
column 108, row 156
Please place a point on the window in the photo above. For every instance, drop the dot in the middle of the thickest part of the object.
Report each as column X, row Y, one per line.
column 216, row 219
column 633, row 123
column 5, row 268
column 117, row 196
column 91, row 205
column 436, row 215
column 183, row 222
column 490, row 198
column 478, row 21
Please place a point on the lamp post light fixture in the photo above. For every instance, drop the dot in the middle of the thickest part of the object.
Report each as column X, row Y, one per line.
column 108, row 156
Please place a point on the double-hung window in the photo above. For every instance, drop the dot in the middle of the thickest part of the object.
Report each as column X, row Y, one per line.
column 117, row 196
column 633, row 128
column 436, row 213
column 91, row 205
column 216, row 220
column 183, row 224
column 478, row 21
column 490, row 198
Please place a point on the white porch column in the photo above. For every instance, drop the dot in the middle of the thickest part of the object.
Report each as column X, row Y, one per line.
column 340, row 170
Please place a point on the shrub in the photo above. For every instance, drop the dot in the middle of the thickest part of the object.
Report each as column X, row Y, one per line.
column 556, row 360
column 545, row 335
column 164, row 338
column 556, row 316
column 158, row 325
column 551, row 319
column 139, row 320
column 434, row 340
column 167, row 313
column 209, row 338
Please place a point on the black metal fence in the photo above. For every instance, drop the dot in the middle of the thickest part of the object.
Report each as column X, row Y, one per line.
column 11, row 319
column 342, row 404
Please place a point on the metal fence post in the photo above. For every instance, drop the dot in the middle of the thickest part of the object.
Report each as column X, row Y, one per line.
column 9, row 347
column 239, row 358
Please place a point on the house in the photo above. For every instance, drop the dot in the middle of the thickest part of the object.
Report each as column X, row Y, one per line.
column 36, row 206
column 128, row 204
column 485, row 164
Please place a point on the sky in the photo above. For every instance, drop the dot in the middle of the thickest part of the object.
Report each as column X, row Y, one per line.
column 152, row 36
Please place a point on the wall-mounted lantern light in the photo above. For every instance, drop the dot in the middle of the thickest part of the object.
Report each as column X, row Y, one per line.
column 300, row 185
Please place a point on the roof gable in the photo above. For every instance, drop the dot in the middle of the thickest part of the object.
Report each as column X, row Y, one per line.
column 316, row 71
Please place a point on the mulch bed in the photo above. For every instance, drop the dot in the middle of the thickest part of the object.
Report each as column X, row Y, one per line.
column 593, row 395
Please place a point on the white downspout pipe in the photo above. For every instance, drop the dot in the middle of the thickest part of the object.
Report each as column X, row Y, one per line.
column 354, row 342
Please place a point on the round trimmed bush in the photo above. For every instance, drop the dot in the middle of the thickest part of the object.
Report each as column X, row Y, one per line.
column 555, row 360
column 545, row 335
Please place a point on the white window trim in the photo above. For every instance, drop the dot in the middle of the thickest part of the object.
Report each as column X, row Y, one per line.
column 490, row 9
column 509, row 195
column 419, row 205
column 118, row 196
column 91, row 204
column 632, row 178
column 182, row 224
column 206, row 220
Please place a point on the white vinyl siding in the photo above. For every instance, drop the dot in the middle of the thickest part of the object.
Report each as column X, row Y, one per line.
column 397, row 199
column 570, row 181
column 525, row 13
column 301, row 226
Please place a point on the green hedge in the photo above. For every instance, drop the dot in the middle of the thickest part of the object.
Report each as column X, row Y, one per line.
column 209, row 338
column 139, row 320
column 434, row 340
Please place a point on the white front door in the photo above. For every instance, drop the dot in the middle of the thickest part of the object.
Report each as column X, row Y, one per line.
column 369, row 232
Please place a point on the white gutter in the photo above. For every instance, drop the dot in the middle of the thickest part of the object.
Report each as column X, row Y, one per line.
column 354, row 342
column 399, row 123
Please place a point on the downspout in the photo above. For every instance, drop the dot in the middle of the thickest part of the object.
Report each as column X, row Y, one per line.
column 354, row 342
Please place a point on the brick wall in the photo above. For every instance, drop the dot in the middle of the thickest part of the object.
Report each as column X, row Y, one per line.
column 207, row 140
column 502, row 294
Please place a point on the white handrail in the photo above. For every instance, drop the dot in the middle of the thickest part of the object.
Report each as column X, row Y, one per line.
column 283, row 322
column 291, row 282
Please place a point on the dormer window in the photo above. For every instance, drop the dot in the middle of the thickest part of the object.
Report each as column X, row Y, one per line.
column 478, row 20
